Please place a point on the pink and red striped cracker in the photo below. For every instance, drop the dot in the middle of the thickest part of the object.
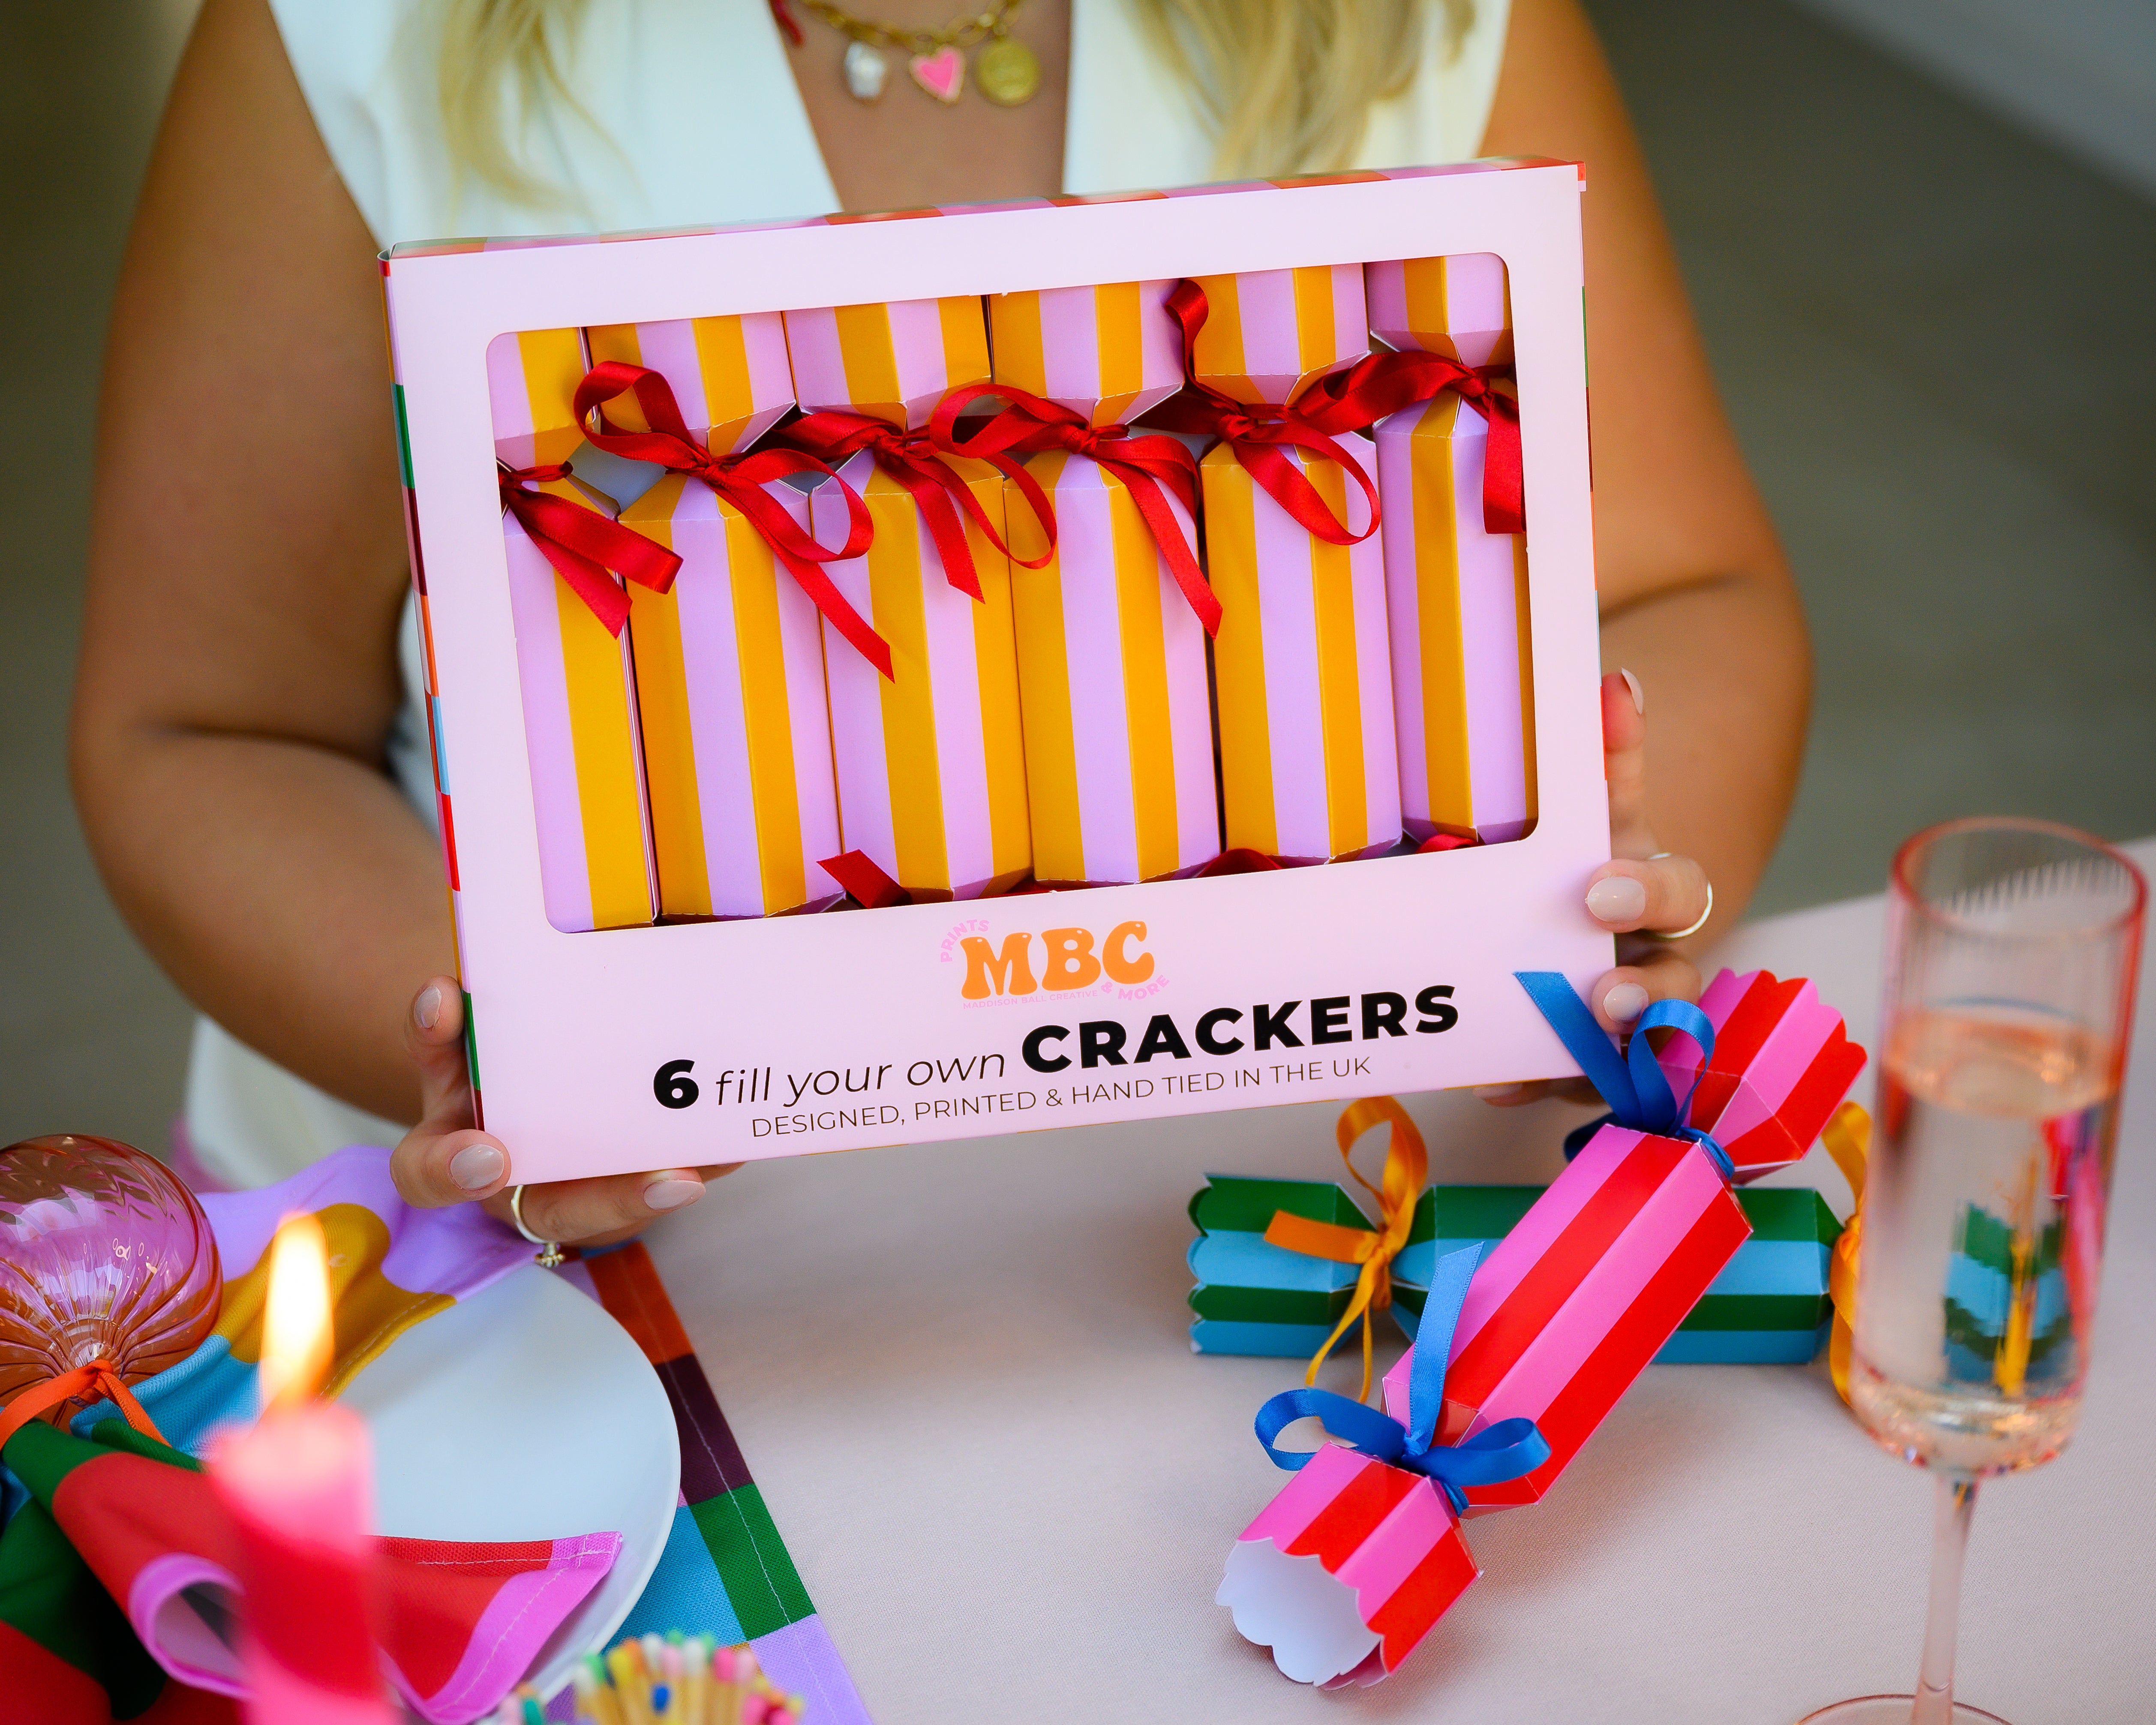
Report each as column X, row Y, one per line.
column 893, row 363
column 1783, row 1061
column 729, row 375
column 1458, row 306
column 1390, row 1547
column 531, row 383
column 1570, row 1307
column 1270, row 333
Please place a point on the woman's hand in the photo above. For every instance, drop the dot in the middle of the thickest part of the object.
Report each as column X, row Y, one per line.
column 1636, row 894
column 445, row 1159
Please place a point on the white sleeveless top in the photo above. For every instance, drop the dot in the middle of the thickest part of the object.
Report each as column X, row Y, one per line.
column 694, row 119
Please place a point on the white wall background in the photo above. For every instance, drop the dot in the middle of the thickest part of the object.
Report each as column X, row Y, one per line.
column 2080, row 73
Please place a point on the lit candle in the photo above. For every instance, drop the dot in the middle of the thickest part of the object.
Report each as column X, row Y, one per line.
column 296, row 1487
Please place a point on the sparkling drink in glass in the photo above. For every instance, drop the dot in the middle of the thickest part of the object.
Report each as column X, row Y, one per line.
column 2012, row 948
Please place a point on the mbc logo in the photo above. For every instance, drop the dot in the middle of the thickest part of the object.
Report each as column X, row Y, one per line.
column 1069, row 959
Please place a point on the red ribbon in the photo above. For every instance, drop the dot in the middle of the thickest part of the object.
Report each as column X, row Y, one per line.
column 1028, row 425
column 1385, row 383
column 740, row 481
column 917, row 462
column 1257, row 434
column 582, row 545
column 865, row 880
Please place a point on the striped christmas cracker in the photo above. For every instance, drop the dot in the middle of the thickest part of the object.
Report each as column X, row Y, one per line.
column 1270, row 333
column 1108, row 352
column 1462, row 668
column 1309, row 764
column 1570, row 1309
column 931, row 770
column 726, row 1571
column 580, row 735
column 1112, row 686
column 893, row 362
column 1384, row 1538
column 1783, row 1061
column 729, row 375
column 730, row 700
column 1460, row 306
column 532, row 382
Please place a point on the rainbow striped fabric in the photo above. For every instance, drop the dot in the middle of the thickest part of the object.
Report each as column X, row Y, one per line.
column 1270, row 333
column 893, row 363
column 1112, row 683
column 729, row 697
column 1309, row 763
column 1108, row 352
column 729, row 375
column 726, row 1572
column 931, row 772
column 1462, row 668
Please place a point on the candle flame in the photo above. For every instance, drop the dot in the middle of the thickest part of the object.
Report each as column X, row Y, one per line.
column 296, row 1325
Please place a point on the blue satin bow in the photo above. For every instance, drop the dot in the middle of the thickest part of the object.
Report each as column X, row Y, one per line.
column 1635, row 1086
column 1505, row 1451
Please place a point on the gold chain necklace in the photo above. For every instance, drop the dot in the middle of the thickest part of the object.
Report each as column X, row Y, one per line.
column 1007, row 70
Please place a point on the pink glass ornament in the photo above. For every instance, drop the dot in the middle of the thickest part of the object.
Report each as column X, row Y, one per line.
column 104, row 1254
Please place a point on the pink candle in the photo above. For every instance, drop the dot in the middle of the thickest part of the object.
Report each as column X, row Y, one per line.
column 297, row 1488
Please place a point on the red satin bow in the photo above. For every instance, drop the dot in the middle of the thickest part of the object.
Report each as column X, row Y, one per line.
column 1028, row 425
column 85, row 1382
column 917, row 461
column 1384, row 384
column 582, row 545
column 740, row 481
column 1257, row 434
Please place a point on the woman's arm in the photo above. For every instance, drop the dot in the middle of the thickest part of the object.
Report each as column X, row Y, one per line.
column 246, row 562
column 1697, row 598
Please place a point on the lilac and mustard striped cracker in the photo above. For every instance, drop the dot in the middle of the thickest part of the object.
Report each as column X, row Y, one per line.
column 1108, row 352
column 930, row 768
column 1111, row 685
column 580, row 736
column 729, row 699
column 1463, row 674
column 892, row 362
column 729, row 375
column 1272, row 333
column 531, row 383
column 1460, row 306
column 1309, row 763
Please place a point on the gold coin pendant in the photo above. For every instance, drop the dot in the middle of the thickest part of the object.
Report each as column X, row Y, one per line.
column 1006, row 71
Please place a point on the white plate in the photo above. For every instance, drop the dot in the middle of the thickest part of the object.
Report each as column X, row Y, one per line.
column 526, row 1412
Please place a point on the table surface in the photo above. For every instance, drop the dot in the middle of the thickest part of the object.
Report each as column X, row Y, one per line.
column 963, row 1377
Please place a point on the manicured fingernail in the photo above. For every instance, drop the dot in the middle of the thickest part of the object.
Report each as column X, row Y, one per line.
column 476, row 1167
column 428, row 1008
column 1619, row 898
column 1498, row 1092
column 1639, row 695
column 1624, row 1003
column 672, row 1194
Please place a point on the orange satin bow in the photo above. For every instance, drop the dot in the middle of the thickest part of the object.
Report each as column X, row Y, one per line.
column 1407, row 1166
column 1848, row 1140
column 85, row 1382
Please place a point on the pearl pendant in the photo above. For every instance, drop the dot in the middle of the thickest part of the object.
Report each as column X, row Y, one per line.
column 865, row 69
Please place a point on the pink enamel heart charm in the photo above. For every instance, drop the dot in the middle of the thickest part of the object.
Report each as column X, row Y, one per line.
column 941, row 73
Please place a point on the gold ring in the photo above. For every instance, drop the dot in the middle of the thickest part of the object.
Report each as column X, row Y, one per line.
column 550, row 1251
column 1682, row 933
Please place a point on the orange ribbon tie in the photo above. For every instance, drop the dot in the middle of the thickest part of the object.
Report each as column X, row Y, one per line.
column 1848, row 1140
column 96, row 1377
column 1407, row 1168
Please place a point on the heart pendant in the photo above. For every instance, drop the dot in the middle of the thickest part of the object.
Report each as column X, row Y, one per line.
column 941, row 73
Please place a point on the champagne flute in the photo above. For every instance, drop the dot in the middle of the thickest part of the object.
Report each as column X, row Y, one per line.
column 2012, row 948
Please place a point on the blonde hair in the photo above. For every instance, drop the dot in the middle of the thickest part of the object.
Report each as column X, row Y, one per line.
column 1284, row 85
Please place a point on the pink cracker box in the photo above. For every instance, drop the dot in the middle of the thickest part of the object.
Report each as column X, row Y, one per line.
column 602, row 1049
